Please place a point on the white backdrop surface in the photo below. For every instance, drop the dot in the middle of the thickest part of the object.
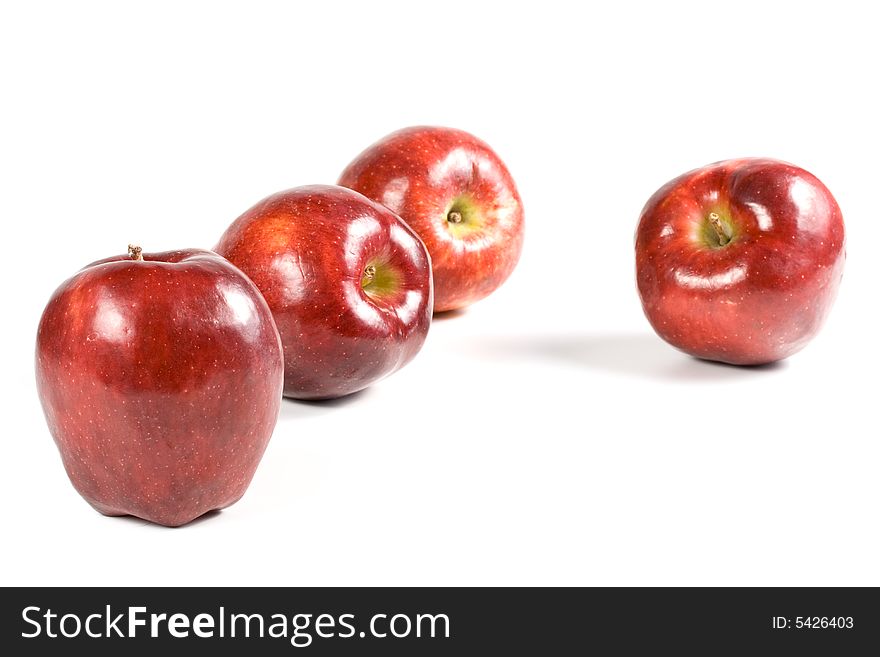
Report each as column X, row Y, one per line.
column 544, row 436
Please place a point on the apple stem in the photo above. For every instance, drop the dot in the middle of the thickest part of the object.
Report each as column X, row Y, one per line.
column 135, row 252
column 715, row 220
column 454, row 217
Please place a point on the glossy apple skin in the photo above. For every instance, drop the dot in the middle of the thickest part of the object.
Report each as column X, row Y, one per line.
column 161, row 383
column 762, row 296
column 307, row 249
column 419, row 173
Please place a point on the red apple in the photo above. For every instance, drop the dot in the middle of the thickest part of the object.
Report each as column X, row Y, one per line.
column 456, row 193
column 160, row 376
column 740, row 261
column 348, row 282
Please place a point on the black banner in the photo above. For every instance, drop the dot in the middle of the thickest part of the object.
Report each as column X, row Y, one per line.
column 417, row 621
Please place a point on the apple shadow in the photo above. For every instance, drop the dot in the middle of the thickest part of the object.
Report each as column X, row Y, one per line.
column 300, row 408
column 135, row 520
column 205, row 517
column 445, row 315
column 640, row 355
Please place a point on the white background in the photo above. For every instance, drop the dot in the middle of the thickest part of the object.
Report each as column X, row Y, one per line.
column 546, row 435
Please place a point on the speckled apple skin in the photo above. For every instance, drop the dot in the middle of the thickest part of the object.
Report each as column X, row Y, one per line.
column 161, row 383
column 764, row 295
column 306, row 249
column 418, row 172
